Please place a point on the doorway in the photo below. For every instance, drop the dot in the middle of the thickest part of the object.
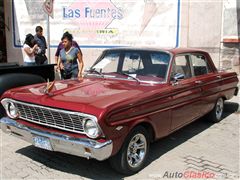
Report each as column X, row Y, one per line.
column 3, row 47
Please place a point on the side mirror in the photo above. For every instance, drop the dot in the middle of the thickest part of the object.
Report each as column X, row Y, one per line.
column 87, row 69
column 178, row 76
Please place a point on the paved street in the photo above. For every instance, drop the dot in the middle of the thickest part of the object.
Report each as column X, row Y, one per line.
column 199, row 147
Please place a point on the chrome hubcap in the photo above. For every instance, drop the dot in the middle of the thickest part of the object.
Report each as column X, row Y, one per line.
column 219, row 108
column 136, row 150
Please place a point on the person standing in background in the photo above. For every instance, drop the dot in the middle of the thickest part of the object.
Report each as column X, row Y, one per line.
column 70, row 58
column 40, row 57
column 30, row 48
column 60, row 47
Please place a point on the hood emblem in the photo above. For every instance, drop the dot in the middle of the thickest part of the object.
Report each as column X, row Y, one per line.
column 48, row 88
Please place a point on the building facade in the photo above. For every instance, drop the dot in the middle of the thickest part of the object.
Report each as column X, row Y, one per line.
column 211, row 25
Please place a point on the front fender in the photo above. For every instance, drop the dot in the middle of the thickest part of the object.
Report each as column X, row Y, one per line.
column 119, row 130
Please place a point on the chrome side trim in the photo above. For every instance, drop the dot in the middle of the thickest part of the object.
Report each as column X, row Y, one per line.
column 60, row 142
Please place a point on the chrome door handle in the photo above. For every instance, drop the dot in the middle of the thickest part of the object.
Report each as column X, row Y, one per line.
column 198, row 82
column 219, row 77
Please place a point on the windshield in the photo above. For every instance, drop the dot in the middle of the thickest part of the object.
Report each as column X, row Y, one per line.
column 133, row 65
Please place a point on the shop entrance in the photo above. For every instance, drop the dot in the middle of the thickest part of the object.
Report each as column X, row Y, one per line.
column 3, row 48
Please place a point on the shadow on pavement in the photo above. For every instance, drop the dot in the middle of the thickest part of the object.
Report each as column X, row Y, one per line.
column 101, row 170
column 230, row 108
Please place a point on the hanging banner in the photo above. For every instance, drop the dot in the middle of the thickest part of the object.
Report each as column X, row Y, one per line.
column 102, row 23
column 48, row 7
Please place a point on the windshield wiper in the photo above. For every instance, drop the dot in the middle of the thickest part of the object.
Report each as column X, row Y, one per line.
column 93, row 70
column 123, row 73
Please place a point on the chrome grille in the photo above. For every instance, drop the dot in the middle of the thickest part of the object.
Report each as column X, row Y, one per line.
column 60, row 119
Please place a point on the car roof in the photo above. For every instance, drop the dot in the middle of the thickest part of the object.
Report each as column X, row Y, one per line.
column 174, row 51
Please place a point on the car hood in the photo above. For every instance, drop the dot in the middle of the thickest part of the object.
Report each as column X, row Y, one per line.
column 86, row 95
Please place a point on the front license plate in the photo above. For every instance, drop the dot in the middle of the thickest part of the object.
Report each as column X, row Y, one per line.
column 42, row 142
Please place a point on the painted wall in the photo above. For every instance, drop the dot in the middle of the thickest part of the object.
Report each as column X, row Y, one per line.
column 201, row 26
column 96, row 25
column 102, row 23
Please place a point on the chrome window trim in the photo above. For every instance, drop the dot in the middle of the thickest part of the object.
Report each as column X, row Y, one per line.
column 190, row 61
column 209, row 68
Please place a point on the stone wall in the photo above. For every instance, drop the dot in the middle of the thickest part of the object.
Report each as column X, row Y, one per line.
column 230, row 46
column 230, row 57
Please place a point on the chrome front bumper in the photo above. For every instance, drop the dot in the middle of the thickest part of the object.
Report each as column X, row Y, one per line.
column 82, row 147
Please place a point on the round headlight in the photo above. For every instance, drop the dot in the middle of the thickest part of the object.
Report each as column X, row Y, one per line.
column 12, row 110
column 91, row 128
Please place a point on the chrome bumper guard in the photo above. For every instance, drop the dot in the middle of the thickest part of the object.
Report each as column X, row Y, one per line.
column 82, row 147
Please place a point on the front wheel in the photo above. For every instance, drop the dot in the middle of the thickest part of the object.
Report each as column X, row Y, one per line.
column 133, row 154
column 216, row 114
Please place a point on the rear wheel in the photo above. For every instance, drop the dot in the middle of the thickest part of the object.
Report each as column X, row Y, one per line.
column 133, row 154
column 216, row 114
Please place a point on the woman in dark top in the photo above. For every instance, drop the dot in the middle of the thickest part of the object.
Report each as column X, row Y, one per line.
column 70, row 63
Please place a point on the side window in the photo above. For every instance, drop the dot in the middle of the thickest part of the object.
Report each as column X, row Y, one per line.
column 159, row 64
column 181, row 65
column 132, row 62
column 200, row 66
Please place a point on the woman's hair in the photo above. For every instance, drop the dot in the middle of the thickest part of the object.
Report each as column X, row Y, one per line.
column 68, row 36
column 38, row 29
column 29, row 40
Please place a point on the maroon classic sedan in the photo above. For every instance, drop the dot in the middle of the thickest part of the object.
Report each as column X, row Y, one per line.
column 127, row 99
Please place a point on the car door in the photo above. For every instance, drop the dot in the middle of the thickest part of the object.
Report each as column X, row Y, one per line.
column 185, row 93
column 208, row 81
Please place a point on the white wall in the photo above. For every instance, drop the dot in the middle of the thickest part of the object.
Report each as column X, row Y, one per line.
column 13, row 54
